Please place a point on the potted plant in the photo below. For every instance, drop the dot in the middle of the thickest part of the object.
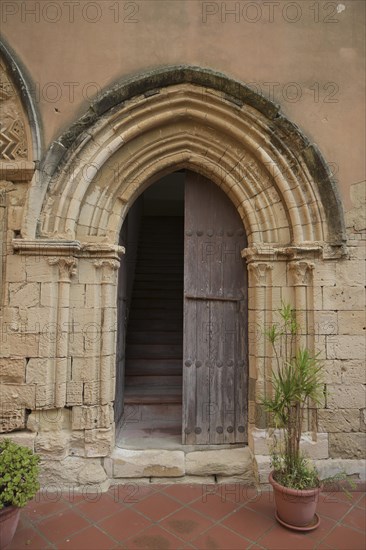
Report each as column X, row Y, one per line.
column 296, row 380
column 19, row 473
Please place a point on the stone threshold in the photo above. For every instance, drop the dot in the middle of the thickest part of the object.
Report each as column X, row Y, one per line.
column 170, row 466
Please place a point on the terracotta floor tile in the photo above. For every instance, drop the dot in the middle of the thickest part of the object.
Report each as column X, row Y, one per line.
column 238, row 493
column 280, row 538
column 214, row 507
column 332, row 508
column 24, row 521
column 185, row 493
column 73, row 497
column 38, row 510
column 248, row 523
column 186, row 524
column 118, row 519
column 157, row 506
column 362, row 501
column 61, row 525
column 124, row 524
column 155, row 538
column 90, row 538
column 220, row 537
column 103, row 507
column 263, row 504
column 131, row 493
column 28, row 538
column 326, row 525
column 350, row 498
column 345, row 538
column 356, row 518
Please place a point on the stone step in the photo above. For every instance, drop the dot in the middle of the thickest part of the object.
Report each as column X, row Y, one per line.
column 145, row 367
column 158, row 293
column 162, row 463
column 156, row 314
column 150, row 412
column 158, row 303
column 153, row 394
column 159, row 277
column 151, row 325
column 154, row 380
column 151, row 285
column 154, row 337
column 154, row 351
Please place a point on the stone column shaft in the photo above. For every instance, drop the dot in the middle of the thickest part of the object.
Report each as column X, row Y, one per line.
column 107, row 342
column 67, row 268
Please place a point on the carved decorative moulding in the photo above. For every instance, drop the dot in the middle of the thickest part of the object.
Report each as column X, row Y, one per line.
column 266, row 252
column 15, row 156
column 49, row 247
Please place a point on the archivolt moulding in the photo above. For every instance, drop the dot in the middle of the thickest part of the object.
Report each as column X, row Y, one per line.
column 185, row 117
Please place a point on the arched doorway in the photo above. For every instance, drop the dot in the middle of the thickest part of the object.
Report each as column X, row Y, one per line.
column 182, row 342
column 179, row 118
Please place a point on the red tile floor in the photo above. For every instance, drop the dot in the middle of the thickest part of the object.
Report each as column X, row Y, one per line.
column 160, row 517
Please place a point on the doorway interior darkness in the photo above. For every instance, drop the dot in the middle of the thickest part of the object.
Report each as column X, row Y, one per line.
column 181, row 350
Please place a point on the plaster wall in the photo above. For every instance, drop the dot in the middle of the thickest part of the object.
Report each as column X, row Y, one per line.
column 308, row 57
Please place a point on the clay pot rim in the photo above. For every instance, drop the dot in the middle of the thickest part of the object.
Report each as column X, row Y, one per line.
column 290, row 491
column 8, row 508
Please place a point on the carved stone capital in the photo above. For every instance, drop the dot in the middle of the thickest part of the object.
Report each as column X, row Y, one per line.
column 335, row 251
column 301, row 272
column 108, row 267
column 67, row 267
column 259, row 271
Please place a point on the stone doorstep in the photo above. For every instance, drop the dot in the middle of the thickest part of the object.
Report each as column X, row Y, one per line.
column 172, row 464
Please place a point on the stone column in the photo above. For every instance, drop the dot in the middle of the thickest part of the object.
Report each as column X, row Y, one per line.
column 260, row 307
column 107, row 348
column 301, row 272
column 2, row 240
column 302, row 279
column 67, row 268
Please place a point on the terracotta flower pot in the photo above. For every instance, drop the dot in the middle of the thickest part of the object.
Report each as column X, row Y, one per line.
column 9, row 518
column 296, row 508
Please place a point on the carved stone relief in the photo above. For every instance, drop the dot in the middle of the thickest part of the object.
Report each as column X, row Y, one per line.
column 13, row 137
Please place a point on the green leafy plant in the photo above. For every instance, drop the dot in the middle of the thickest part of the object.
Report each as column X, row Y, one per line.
column 295, row 380
column 19, row 472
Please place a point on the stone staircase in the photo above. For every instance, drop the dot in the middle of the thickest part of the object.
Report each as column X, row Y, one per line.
column 154, row 345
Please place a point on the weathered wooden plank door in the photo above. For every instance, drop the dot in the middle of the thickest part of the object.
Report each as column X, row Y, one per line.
column 215, row 318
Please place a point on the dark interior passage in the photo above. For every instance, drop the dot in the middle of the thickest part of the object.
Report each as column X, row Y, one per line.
column 150, row 309
column 154, row 343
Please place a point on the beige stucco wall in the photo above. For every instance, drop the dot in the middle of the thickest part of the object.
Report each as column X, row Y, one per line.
column 317, row 46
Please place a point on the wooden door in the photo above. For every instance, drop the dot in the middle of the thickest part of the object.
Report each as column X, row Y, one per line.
column 215, row 312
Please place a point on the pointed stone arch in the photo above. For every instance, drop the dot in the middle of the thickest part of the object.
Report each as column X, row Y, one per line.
column 135, row 133
column 194, row 118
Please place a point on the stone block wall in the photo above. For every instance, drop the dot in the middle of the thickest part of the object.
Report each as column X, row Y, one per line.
column 58, row 296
